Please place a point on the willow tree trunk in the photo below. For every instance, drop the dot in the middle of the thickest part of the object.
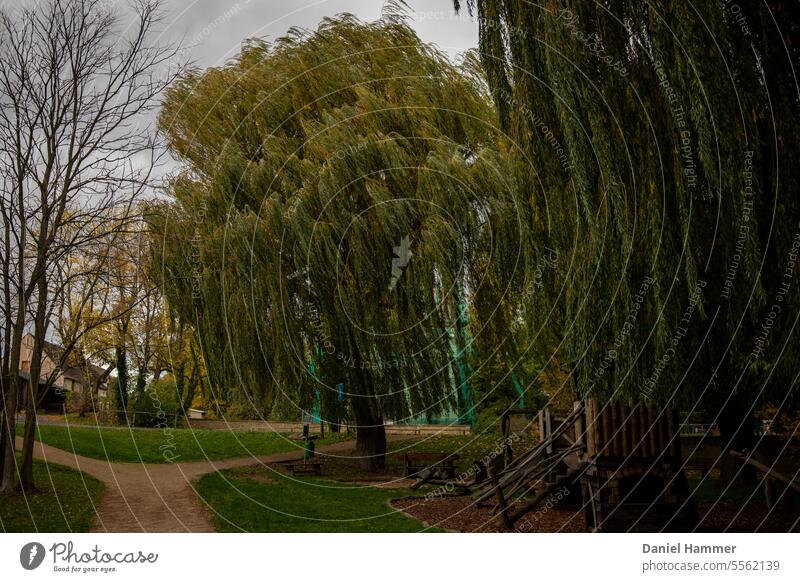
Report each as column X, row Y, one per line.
column 190, row 389
column 371, row 445
column 736, row 427
column 370, row 434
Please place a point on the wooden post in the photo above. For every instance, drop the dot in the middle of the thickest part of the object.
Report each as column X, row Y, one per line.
column 652, row 431
column 642, row 430
column 605, row 419
column 501, row 501
column 540, row 418
column 663, row 433
column 625, row 428
column 578, row 425
column 769, row 493
column 635, row 437
column 674, row 437
column 591, row 428
column 548, row 422
column 506, row 427
column 614, row 429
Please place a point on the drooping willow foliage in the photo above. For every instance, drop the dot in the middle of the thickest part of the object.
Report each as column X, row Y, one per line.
column 659, row 145
column 343, row 187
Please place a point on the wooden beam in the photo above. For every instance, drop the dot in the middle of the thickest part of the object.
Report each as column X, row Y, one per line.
column 772, row 473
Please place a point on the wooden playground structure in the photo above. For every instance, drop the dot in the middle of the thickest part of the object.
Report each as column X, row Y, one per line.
column 621, row 464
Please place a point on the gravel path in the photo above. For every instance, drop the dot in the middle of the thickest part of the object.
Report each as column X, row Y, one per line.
column 156, row 497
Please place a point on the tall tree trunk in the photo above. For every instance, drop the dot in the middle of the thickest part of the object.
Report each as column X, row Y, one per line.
column 141, row 381
column 371, row 445
column 370, row 434
column 26, row 483
column 736, row 427
column 35, row 392
column 180, row 380
column 95, row 389
column 122, row 383
column 190, row 389
column 9, row 428
column 370, row 431
column 2, row 443
column 86, row 400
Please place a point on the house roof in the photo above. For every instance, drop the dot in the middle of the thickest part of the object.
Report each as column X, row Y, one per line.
column 87, row 373
column 75, row 368
column 53, row 351
column 26, row 376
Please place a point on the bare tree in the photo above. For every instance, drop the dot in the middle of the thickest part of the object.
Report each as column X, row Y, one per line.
column 76, row 94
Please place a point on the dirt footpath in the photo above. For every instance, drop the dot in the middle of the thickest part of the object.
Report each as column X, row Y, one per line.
column 156, row 497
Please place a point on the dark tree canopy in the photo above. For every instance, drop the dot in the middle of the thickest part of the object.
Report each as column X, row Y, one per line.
column 659, row 143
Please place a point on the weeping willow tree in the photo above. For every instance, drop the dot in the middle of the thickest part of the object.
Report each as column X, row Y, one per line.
column 657, row 142
column 340, row 187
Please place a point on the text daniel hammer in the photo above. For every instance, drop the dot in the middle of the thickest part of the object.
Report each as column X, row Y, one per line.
column 687, row 549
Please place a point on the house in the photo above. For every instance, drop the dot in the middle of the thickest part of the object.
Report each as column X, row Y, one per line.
column 76, row 374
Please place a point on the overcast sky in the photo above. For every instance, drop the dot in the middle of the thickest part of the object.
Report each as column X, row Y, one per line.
column 214, row 29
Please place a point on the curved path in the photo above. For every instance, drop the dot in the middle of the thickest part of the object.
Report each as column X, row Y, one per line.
column 156, row 497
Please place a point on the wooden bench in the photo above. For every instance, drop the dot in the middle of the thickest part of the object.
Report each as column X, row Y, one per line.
column 304, row 468
column 415, row 463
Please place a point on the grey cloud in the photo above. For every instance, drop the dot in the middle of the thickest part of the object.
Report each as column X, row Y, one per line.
column 215, row 30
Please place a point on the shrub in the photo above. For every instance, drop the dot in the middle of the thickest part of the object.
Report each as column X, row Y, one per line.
column 157, row 406
column 79, row 401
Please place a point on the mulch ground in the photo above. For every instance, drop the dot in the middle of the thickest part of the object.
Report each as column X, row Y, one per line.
column 755, row 517
column 462, row 515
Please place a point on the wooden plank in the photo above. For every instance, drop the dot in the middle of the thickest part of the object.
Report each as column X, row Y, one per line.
column 590, row 442
column 579, row 436
column 614, row 429
column 626, row 429
column 529, row 461
column 673, row 437
column 540, row 417
column 652, row 434
column 607, row 431
column 769, row 471
column 663, row 433
column 642, row 431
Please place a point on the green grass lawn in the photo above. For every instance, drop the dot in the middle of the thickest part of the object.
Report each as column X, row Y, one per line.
column 161, row 446
column 65, row 504
column 259, row 500
column 711, row 490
